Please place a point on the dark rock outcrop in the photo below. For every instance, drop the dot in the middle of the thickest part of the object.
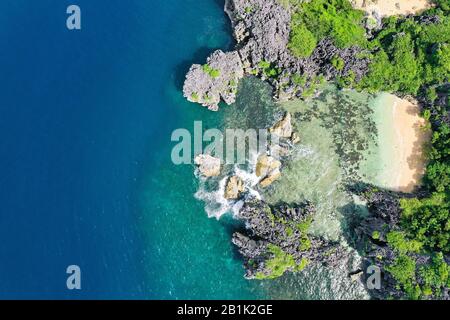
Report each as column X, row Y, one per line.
column 371, row 240
column 262, row 31
column 268, row 27
column 285, row 228
column 431, row 19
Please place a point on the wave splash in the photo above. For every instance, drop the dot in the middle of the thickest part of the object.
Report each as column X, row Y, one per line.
column 212, row 190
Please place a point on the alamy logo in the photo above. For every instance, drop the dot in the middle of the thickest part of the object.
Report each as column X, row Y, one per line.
column 233, row 146
column 74, row 20
column 74, row 280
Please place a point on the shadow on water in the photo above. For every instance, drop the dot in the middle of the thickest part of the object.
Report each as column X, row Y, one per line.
column 231, row 225
column 227, row 26
column 199, row 57
column 353, row 213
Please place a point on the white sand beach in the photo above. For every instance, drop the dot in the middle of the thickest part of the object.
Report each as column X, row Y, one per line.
column 400, row 161
column 392, row 7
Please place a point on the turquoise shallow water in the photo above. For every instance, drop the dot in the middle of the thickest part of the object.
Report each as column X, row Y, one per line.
column 191, row 256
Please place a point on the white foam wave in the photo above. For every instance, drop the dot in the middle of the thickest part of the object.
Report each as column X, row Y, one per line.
column 216, row 205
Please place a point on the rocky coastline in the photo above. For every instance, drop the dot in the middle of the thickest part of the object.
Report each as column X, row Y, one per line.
column 262, row 37
column 372, row 236
column 276, row 239
column 273, row 233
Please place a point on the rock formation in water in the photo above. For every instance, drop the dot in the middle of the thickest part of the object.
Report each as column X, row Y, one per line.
column 234, row 188
column 268, row 169
column 283, row 128
column 262, row 29
column 277, row 240
column 208, row 166
column 215, row 81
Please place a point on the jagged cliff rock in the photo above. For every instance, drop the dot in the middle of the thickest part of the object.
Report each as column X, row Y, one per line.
column 276, row 240
column 262, row 30
column 215, row 81
column 371, row 237
column 268, row 26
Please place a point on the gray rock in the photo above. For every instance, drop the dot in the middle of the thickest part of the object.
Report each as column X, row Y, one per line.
column 215, row 81
column 262, row 29
column 278, row 226
column 426, row 20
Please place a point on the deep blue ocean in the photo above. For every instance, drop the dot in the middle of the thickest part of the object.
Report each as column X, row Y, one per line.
column 85, row 172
